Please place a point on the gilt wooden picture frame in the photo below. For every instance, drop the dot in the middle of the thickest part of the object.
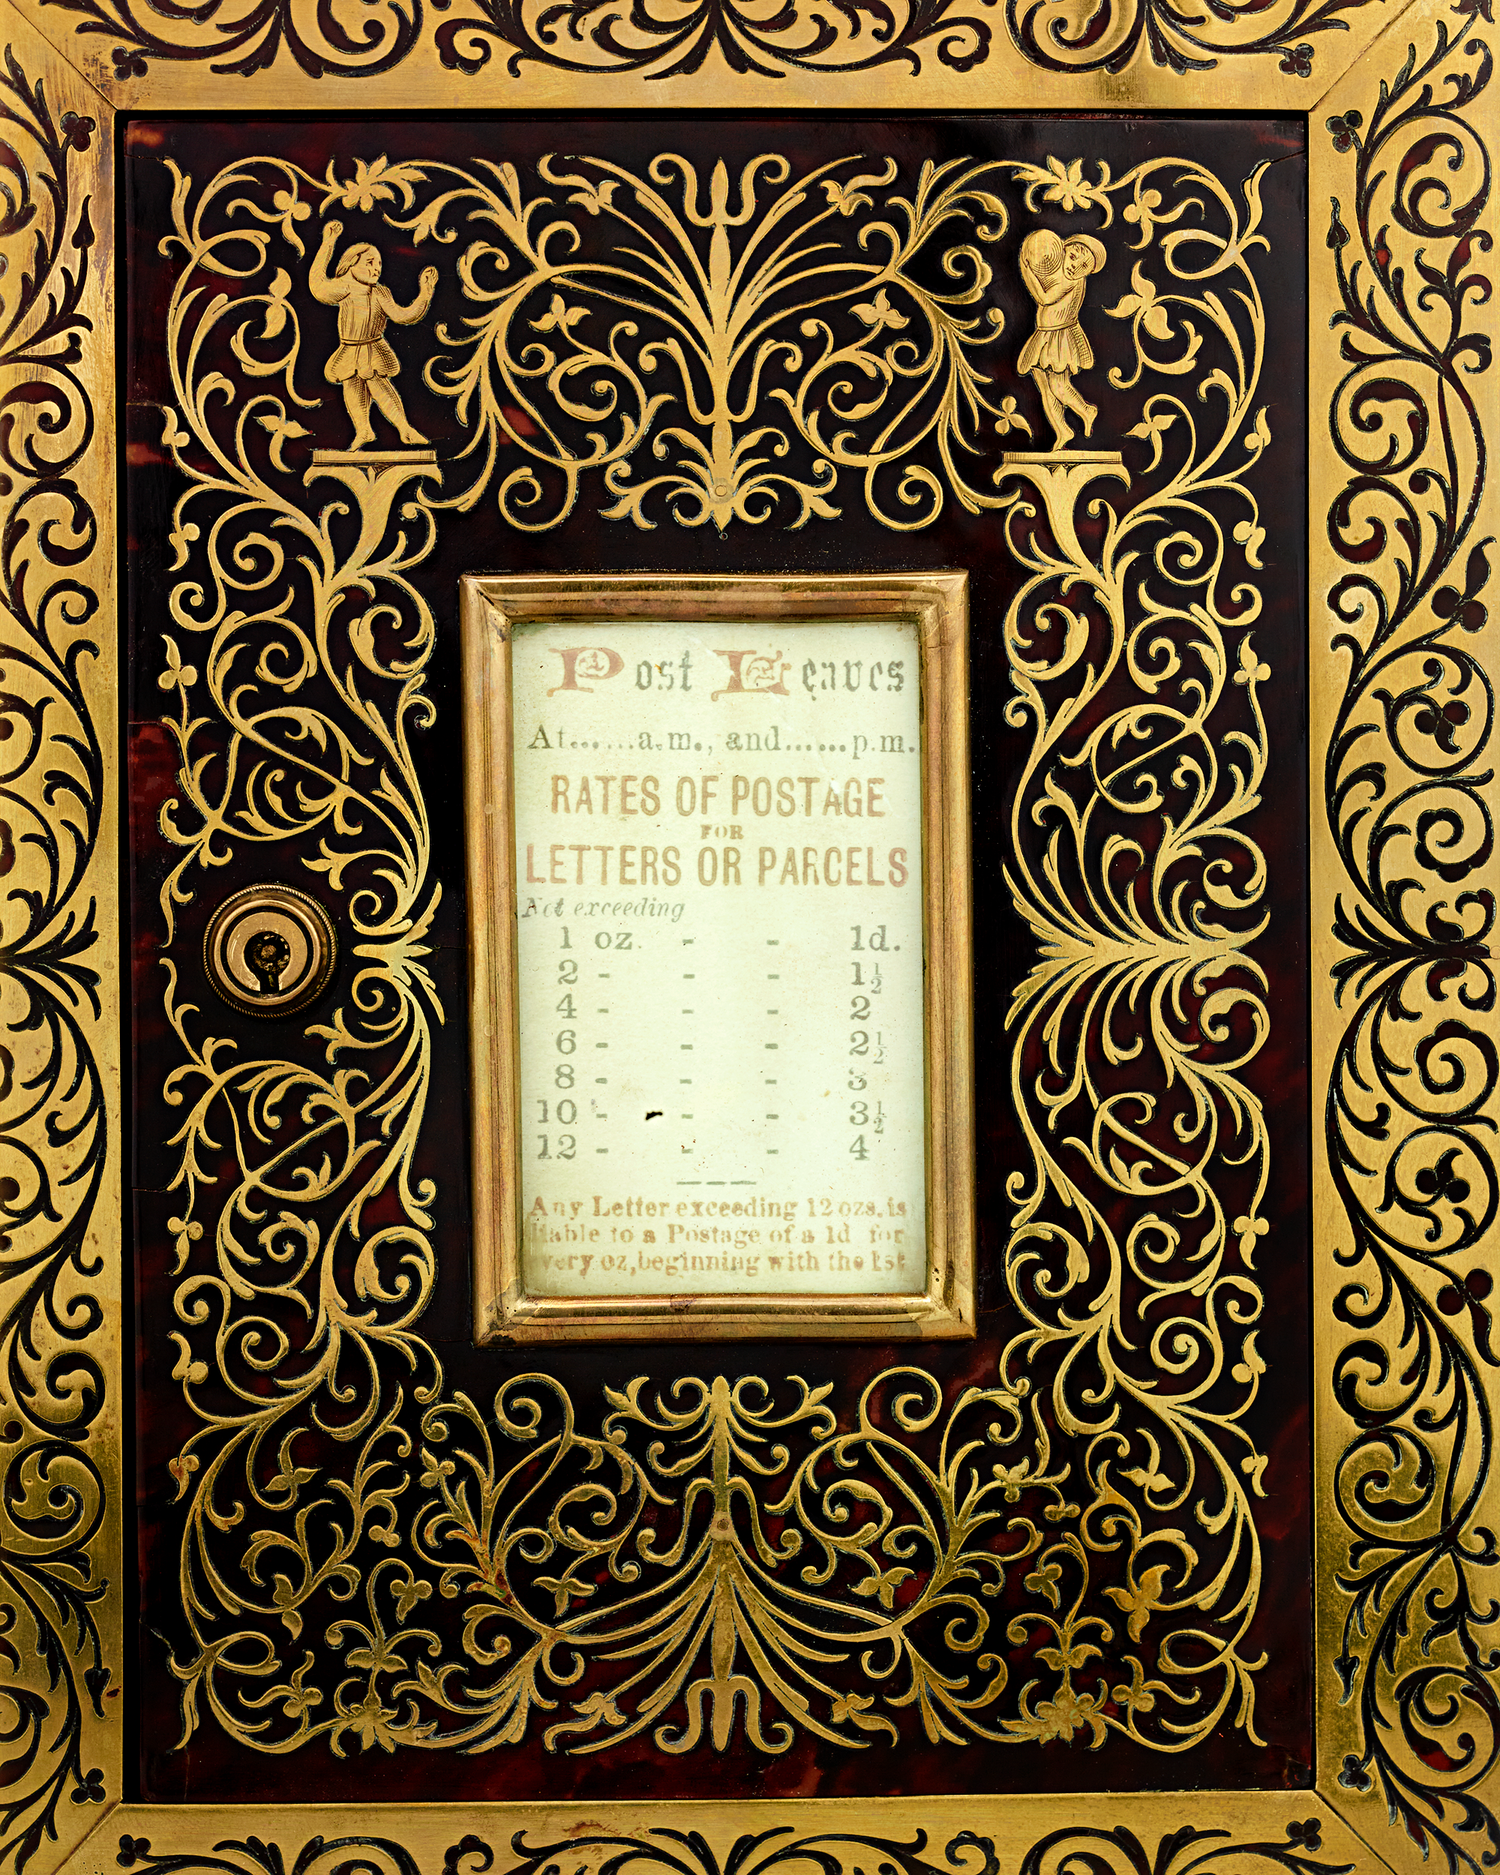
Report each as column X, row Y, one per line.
column 206, row 1666
column 849, row 1235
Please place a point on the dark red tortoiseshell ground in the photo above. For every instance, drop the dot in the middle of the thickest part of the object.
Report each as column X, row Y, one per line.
column 210, row 1769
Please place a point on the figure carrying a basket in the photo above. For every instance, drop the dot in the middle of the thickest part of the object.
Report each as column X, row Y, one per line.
column 1056, row 274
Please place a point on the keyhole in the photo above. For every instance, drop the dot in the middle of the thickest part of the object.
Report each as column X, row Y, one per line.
column 268, row 954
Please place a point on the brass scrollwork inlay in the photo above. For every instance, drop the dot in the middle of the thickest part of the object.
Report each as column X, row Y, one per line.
column 1409, row 805
column 669, row 1851
column 59, row 1510
column 889, row 40
column 728, row 1558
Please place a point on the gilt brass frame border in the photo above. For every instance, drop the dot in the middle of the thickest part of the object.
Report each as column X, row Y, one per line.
column 63, row 1807
column 937, row 604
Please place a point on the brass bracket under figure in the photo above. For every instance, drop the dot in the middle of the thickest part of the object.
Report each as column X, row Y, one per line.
column 1059, row 476
column 269, row 950
column 374, row 477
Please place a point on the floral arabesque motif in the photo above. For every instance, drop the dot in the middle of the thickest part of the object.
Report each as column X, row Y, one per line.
column 334, row 764
column 770, row 325
column 715, row 1615
column 722, row 1558
column 1116, row 33
column 1411, row 1117
column 756, row 38
column 55, row 1105
column 665, row 1851
column 732, row 335
column 253, row 40
column 1138, row 679
column 747, row 35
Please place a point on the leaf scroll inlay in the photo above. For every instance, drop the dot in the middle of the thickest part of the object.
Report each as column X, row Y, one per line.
column 728, row 38
column 56, row 1509
column 721, row 1561
column 1411, row 1115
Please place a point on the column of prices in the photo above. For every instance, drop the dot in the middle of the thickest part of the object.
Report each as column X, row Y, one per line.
column 719, row 918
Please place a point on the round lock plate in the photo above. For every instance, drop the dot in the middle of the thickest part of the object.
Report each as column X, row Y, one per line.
column 269, row 950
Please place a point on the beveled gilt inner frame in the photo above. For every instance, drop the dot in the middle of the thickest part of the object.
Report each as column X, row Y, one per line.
column 1406, row 1038
column 935, row 605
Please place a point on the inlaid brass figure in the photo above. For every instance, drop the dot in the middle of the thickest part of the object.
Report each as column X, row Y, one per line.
column 1056, row 274
column 364, row 363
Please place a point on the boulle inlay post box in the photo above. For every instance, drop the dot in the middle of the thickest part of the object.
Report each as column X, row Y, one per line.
column 748, row 1069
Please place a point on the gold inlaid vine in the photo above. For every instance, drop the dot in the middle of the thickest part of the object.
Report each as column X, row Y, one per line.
column 723, row 1559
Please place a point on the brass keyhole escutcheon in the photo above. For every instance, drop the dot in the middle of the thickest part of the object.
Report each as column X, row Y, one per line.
column 269, row 950
column 268, row 954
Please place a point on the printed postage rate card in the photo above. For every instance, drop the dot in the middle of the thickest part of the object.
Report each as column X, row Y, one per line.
column 719, row 913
